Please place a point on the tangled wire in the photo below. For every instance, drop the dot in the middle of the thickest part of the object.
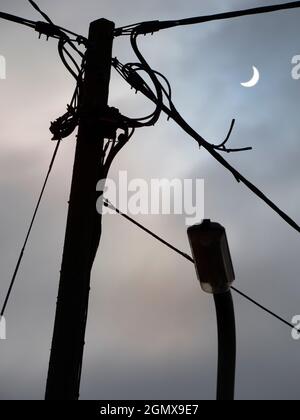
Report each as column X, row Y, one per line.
column 161, row 96
column 131, row 73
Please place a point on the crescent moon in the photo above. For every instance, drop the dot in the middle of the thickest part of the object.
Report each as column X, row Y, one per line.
column 254, row 80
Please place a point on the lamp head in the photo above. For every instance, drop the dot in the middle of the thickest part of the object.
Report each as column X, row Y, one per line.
column 212, row 257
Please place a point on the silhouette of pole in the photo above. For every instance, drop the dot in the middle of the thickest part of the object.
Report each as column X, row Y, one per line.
column 226, row 346
column 83, row 229
column 215, row 272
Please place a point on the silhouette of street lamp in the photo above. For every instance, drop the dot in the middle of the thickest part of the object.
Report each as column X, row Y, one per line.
column 215, row 272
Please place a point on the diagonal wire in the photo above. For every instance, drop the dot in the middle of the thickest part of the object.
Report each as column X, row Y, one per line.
column 29, row 232
column 108, row 204
column 153, row 26
column 264, row 308
column 36, row 7
column 36, row 25
column 125, row 216
column 47, row 18
column 238, row 13
column 172, row 113
column 17, row 19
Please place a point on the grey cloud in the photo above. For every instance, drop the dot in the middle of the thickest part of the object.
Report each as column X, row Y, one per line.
column 151, row 331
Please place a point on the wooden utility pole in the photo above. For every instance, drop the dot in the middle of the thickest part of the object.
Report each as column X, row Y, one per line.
column 83, row 230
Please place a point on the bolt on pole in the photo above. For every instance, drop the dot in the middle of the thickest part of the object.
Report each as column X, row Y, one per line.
column 83, row 230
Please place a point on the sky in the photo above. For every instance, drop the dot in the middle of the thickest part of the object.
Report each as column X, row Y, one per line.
column 151, row 331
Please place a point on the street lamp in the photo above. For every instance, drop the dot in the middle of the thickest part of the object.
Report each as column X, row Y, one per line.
column 215, row 272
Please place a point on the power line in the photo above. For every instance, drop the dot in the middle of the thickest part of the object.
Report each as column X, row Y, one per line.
column 135, row 30
column 66, row 124
column 130, row 73
column 45, row 16
column 186, row 256
column 108, row 204
column 64, row 378
column 80, row 38
column 46, row 28
column 154, row 26
column 264, row 308
column 18, row 19
column 29, row 231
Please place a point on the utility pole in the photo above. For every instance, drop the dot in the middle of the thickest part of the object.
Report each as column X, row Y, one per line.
column 83, row 230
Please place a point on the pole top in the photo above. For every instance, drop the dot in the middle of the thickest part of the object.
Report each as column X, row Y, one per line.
column 102, row 22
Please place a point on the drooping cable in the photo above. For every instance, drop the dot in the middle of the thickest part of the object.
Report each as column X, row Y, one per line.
column 108, row 204
column 65, row 125
column 139, row 84
column 19, row 261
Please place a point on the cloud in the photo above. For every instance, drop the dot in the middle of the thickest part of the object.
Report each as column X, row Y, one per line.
column 151, row 331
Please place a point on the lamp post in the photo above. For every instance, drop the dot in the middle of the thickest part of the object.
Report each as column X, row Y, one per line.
column 215, row 272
